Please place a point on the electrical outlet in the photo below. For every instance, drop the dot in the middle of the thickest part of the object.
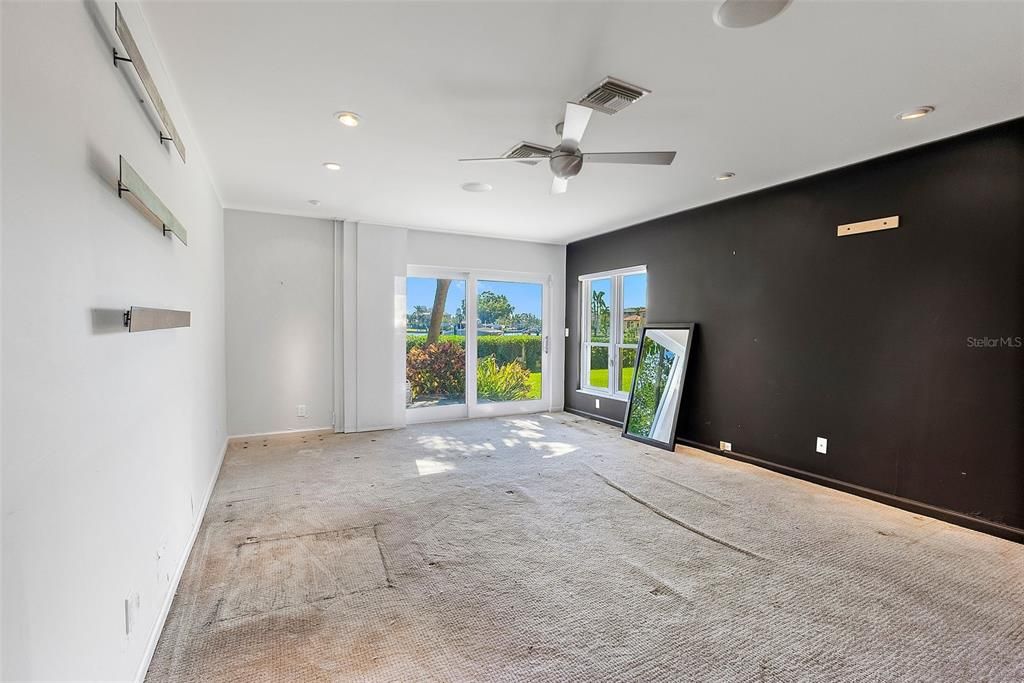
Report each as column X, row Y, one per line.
column 822, row 445
column 724, row 445
column 300, row 410
column 597, row 403
column 567, row 333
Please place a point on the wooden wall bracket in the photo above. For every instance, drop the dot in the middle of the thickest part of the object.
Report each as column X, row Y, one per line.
column 868, row 226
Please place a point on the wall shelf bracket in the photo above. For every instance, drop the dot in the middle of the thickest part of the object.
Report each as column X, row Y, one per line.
column 140, row 319
column 118, row 58
column 129, row 182
column 169, row 132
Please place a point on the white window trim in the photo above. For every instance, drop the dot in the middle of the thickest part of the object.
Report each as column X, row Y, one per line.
column 615, row 343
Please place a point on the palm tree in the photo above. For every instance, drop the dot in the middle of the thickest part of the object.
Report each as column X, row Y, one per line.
column 437, row 312
column 599, row 311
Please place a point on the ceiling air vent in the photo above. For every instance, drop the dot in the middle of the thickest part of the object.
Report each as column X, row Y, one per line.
column 525, row 150
column 612, row 96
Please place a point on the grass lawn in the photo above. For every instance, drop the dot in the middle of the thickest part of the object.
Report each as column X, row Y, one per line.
column 534, row 385
column 599, row 378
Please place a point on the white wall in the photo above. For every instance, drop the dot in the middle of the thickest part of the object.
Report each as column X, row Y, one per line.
column 279, row 284
column 110, row 441
column 285, row 338
column 450, row 250
column 377, row 328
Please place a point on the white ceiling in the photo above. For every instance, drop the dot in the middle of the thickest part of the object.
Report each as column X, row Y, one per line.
column 816, row 88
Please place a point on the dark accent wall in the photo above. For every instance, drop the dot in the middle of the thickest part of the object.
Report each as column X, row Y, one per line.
column 862, row 339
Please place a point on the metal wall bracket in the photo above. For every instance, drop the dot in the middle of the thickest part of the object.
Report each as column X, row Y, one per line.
column 119, row 59
column 140, row 319
column 169, row 132
column 128, row 181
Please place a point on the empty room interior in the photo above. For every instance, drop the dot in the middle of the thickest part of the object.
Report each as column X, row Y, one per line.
column 557, row 340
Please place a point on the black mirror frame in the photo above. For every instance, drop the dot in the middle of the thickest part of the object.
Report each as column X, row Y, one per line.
column 671, row 445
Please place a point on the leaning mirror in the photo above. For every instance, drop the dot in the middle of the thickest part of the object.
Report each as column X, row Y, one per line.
column 658, row 384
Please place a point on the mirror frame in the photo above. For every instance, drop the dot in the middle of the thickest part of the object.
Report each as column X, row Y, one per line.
column 669, row 446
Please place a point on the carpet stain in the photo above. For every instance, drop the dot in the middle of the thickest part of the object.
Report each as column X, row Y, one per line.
column 358, row 564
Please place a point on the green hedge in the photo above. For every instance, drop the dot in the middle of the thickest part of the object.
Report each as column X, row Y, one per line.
column 505, row 348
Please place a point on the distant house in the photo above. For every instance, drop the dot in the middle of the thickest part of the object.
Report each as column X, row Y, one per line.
column 633, row 318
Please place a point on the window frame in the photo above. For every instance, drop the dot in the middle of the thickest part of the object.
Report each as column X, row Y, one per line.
column 615, row 343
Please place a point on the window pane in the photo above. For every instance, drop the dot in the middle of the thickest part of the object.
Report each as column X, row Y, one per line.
column 634, row 308
column 627, row 360
column 435, row 342
column 509, row 344
column 601, row 311
column 599, row 367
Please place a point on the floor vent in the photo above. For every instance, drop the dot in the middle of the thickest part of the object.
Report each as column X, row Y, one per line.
column 612, row 96
column 525, row 150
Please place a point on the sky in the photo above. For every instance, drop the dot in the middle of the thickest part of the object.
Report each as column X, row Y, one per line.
column 634, row 290
column 525, row 296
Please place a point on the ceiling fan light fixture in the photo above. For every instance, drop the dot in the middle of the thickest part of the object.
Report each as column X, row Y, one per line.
column 727, row 175
column 916, row 113
column 332, row 166
column 347, row 118
column 567, row 160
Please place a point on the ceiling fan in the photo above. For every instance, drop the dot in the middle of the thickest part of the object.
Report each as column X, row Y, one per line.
column 567, row 159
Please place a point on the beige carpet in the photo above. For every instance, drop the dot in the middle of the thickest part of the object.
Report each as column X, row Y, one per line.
column 548, row 548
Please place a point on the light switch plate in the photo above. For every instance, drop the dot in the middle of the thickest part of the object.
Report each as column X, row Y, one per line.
column 822, row 445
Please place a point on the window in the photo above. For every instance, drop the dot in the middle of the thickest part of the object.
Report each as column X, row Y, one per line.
column 614, row 311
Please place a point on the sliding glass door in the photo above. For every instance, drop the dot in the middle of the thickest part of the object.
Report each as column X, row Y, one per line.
column 435, row 348
column 476, row 345
column 511, row 341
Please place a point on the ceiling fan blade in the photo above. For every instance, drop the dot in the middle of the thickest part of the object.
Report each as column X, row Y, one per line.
column 559, row 185
column 576, row 119
column 654, row 158
column 528, row 160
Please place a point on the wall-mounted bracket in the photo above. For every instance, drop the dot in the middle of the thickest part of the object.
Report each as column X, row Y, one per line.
column 868, row 226
column 118, row 58
column 169, row 132
column 140, row 319
column 129, row 181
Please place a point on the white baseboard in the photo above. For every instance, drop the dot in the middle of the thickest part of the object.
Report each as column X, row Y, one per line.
column 286, row 432
column 154, row 637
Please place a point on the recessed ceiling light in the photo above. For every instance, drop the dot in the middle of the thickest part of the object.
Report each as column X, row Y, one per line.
column 347, row 118
column 331, row 166
column 917, row 113
column 314, row 202
column 728, row 175
column 477, row 187
column 747, row 13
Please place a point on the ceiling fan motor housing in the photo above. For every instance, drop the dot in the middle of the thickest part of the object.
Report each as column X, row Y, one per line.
column 566, row 164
